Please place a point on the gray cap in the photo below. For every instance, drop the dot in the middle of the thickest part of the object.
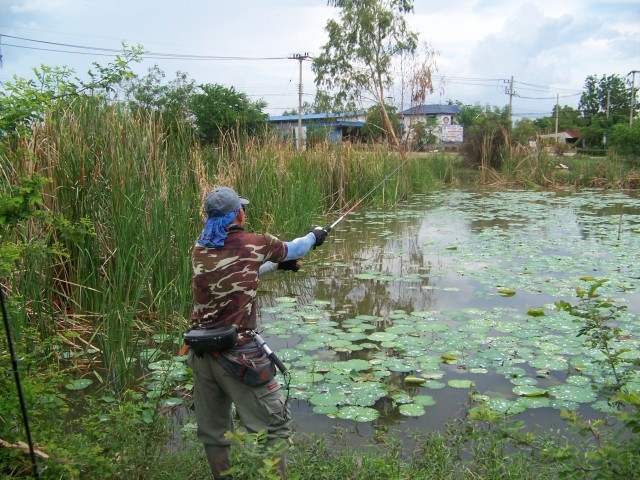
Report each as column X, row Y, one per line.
column 223, row 200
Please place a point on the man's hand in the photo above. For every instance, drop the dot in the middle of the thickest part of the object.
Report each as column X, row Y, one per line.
column 320, row 234
column 291, row 265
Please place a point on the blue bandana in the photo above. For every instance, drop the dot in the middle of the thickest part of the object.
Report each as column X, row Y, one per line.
column 215, row 232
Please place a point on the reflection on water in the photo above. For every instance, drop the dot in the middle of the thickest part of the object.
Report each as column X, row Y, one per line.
column 443, row 257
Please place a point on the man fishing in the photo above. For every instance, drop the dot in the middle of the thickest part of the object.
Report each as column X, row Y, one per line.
column 229, row 367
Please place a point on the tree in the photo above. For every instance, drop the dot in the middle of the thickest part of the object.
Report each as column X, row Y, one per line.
column 625, row 140
column 487, row 136
column 24, row 101
column 523, row 131
column 424, row 133
column 374, row 129
column 606, row 98
column 357, row 59
column 170, row 100
column 219, row 110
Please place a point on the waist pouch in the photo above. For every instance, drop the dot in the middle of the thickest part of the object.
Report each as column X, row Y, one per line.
column 249, row 364
column 214, row 340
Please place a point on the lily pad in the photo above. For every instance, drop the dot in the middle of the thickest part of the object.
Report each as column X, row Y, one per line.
column 358, row 414
column 461, row 383
column 411, row 410
column 78, row 384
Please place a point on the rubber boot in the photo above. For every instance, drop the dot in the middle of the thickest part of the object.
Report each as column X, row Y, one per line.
column 219, row 458
column 282, row 464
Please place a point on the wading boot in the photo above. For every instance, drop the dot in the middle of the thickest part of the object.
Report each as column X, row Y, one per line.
column 219, row 458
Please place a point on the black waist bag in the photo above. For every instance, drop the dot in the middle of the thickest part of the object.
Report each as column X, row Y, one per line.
column 249, row 364
column 214, row 340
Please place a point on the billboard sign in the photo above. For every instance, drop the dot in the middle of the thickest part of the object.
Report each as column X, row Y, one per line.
column 452, row 133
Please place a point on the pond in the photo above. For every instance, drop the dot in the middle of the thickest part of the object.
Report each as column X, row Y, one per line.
column 405, row 313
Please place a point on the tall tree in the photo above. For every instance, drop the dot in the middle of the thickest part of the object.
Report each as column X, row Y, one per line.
column 219, row 110
column 607, row 98
column 23, row 101
column 169, row 100
column 357, row 59
column 374, row 129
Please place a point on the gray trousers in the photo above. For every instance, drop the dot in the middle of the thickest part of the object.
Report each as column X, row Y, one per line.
column 259, row 408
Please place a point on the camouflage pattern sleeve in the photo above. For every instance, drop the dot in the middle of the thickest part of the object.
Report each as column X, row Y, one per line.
column 225, row 279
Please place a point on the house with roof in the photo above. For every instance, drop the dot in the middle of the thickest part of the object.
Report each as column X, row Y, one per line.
column 335, row 127
column 445, row 129
column 566, row 136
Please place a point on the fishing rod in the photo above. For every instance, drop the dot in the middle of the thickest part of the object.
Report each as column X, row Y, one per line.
column 23, row 408
column 330, row 227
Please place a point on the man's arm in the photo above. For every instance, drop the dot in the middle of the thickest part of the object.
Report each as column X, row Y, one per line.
column 300, row 246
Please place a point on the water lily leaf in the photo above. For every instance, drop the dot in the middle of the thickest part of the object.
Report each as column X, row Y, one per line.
column 286, row 300
column 424, row 400
column 411, row 410
column 147, row 416
column 325, row 409
column 328, row 398
column 358, row 414
column 366, row 276
column 536, row 312
column 382, row 336
column 504, row 406
column 573, row 394
column 530, row 391
column 78, row 384
column 578, row 380
column 604, row 407
column 433, row 384
column 172, row 402
column 353, row 364
column 461, row 383
column 534, row 402
column 411, row 380
column 506, row 292
column 397, row 365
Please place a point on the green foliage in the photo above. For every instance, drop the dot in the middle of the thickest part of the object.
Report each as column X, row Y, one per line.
column 374, row 129
column 21, row 201
column 221, row 111
column 254, row 458
column 626, row 140
column 592, row 135
column 170, row 100
column 487, row 138
column 600, row 316
column 523, row 131
column 357, row 59
column 610, row 451
column 608, row 97
column 25, row 101
column 424, row 133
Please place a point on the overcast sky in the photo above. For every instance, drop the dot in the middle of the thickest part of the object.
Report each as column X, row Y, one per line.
column 549, row 47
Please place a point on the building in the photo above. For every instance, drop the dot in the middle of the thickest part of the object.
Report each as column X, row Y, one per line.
column 567, row 136
column 335, row 127
column 445, row 128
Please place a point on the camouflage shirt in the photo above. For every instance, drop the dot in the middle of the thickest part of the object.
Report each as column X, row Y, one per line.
column 225, row 279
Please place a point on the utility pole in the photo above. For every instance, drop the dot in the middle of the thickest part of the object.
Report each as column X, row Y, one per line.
column 633, row 94
column 557, row 114
column 509, row 91
column 300, row 57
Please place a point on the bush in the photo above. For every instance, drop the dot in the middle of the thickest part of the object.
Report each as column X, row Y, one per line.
column 592, row 152
column 625, row 140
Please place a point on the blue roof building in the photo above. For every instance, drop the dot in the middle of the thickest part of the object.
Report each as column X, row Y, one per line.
column 337, row 126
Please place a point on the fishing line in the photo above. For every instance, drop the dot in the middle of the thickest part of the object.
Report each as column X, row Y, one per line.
column 23, row 408
column 330, row 227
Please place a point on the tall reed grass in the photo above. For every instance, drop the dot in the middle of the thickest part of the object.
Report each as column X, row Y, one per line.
column 142, row 190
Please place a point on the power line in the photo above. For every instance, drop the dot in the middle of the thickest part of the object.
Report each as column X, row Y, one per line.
column 147, row 55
